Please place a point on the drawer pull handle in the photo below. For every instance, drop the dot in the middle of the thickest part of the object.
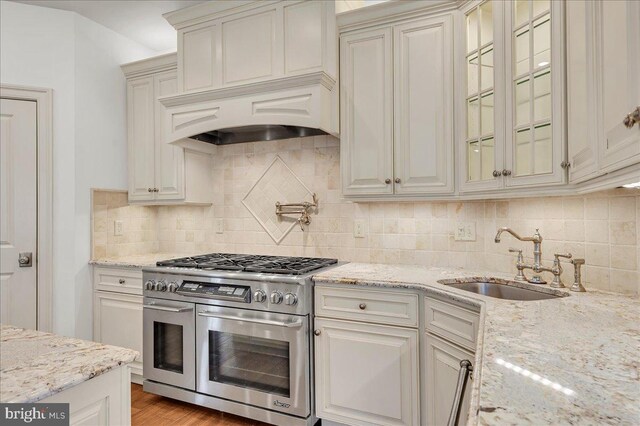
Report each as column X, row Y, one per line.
column 121, row 281
column 363, row 306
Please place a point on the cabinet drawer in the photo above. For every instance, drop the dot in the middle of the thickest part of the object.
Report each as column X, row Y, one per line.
column 119, row 280
column 382, row 307
column 456, row 324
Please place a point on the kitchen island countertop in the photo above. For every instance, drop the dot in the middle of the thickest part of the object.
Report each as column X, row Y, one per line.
column 35, row 365
column 570, row 360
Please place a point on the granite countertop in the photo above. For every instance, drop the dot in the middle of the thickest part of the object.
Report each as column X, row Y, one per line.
column 135, row 260
column 570, row 360
column 35, row 365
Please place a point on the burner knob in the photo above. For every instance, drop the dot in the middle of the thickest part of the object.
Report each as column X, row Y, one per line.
column 259, row 296
column 276, row 297
column 149, row 285
column 290, row 299
column 160, row 286
column 172, row 287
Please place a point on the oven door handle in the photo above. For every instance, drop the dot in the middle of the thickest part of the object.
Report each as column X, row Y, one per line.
column 295, row 324
column 167, row 308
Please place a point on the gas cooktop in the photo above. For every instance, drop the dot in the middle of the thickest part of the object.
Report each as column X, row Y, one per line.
column 250, row 263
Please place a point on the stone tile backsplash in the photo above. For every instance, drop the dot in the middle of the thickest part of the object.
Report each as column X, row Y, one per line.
column 601, row 227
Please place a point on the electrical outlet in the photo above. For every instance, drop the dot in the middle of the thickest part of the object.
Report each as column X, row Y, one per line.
column 358, row 228
column 465, row 231
column 219, row 226
column 117, row 227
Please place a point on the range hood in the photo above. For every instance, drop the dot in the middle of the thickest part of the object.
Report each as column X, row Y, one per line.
column 253, row 71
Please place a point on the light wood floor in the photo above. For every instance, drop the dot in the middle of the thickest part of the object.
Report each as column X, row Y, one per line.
column 148, row 409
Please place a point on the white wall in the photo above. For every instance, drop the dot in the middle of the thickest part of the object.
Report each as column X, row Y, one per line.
column 80, row 60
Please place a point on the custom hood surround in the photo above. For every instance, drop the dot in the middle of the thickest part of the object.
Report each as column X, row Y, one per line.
column 253, row 70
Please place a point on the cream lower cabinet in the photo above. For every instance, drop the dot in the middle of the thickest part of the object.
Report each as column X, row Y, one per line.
column 160, row 173
column 397, row 108
column 366, row 374
column 117, row 311
column 443, row 365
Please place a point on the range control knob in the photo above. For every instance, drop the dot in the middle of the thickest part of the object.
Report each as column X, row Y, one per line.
column 259, row 296
column 276, row 297
column 172, row 287
column 290, row 299
column 160, row 286
column 149, row 285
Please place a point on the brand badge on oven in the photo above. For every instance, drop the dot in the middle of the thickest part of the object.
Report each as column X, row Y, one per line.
column 281, row 404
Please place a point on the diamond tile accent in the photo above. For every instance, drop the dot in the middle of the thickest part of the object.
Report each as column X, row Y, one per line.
column 277, row 183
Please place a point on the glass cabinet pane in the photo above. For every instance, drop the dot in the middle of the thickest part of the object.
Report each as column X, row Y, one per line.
column 472, row 118
column 539, row 6
column 542, row 42
column 523, row 104
column 542, row 95
column 522, row 51
column 472, row 74
column 475, row 158
column 486, row 70
column 543, row 154
column 486, row 23
column 488, row 159
column 521, row 12
column 523, row 152
column 472, row 31
column 486, row 114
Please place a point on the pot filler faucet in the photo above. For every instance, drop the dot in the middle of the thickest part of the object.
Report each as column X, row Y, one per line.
column 537, row 267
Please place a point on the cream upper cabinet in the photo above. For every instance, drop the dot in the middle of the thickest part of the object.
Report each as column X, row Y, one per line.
column 159, row 173
column 514, row 101
column 140, row 128
column 397, row 108
column 221, row 44
column 169, row 159
column 603, row 51
column 423, row 106
column 618, row 50
column 366, row 374
column 366, row 106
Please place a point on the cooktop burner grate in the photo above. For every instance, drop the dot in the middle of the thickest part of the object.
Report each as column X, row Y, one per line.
column 250, row 263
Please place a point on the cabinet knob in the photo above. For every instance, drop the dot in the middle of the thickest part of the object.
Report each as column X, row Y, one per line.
column 496, row 173
column 506, row 172
column 632, row 118
column 565, row 164
column 398, row 180
column 149, row 190
column 121, row 281
column 317, row 332
column 363, row 306
column 156, row 190
column 387, row 181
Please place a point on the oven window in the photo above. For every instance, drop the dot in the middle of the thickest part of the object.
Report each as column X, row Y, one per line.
column 167, row 347
column 249, row 362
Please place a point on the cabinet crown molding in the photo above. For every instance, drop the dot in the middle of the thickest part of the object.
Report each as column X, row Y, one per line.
column 152, row 65
column 211, row 10
column 392, row 11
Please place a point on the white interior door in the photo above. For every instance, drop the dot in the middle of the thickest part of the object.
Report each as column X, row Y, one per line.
column 18, row 212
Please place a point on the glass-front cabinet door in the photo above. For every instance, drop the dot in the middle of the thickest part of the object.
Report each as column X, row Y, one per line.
column 514, row 97
column 483, row 140
column 535, row 137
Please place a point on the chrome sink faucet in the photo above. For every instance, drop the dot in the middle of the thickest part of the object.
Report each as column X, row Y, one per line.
column 537, row 255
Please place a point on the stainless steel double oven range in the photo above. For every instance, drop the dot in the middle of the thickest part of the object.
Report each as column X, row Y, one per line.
column 233, row 332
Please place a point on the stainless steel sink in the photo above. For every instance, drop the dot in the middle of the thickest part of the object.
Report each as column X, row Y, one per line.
column 505, row 290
